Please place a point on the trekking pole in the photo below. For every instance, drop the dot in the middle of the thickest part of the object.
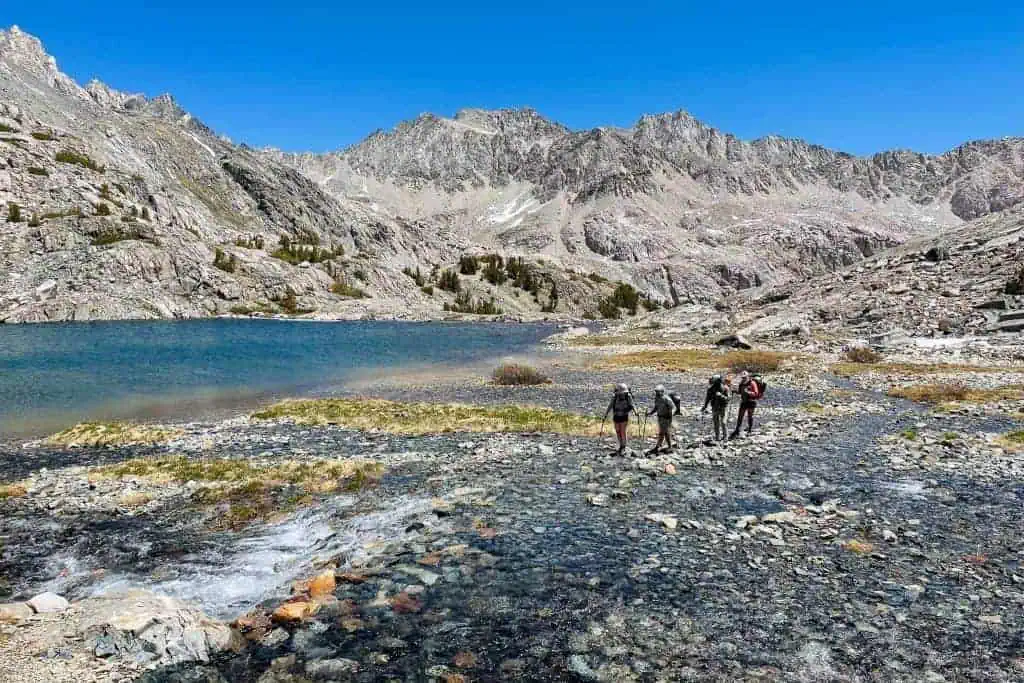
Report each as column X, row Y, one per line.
column 600, row 434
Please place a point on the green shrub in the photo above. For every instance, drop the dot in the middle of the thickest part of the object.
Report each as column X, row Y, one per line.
column 63, row 214
column 862, row 354
column 465, row 304
column 416, row 275
column 514, row 374
column 494, row 272
column 608, row 310
column 68, row 156
column 13, row 213
column 468, row 265
column 344, row 289
column 145, row 213
column 228, row 264
column 590, row 315
column 36, row 170
column 1015, row 285
column 35, row 221
column 44, row 135
column 4, row 128
column 289, row 304
column 597, row 278
column 625, row 296
column 111, row 235
column 102, row 209
column 428, row 290
column 449, row 281
column 360, row 274
column 249, row 241
column 909, row 434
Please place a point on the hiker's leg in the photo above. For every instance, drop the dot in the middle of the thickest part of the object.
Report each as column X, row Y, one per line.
column 750, row 416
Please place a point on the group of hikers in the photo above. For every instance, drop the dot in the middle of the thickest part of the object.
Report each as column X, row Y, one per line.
column 749, row 388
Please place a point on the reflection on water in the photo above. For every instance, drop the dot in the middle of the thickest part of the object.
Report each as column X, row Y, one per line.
column 54, row 375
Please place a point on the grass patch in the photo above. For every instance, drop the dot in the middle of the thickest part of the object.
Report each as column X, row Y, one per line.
column 68, row 156
column 956, row 393
column 345, row 289
column 429, row 418
column 43, row 135
column 97, row 435
column 909, row 434
column 514, row 374
column 854, row 369
column 598, row 340
column 12, row 491
column 4, row 128
column 859, row 547
column 37, row 170
column 1013, row 440
column 681, row 360
column 249, row 492
column 863, row 355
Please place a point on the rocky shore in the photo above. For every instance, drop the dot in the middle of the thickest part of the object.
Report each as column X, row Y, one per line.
column 853, row 536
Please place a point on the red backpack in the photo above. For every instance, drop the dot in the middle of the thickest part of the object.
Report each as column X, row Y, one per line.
column 756, row 389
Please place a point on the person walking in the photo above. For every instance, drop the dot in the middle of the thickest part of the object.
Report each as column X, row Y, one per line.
column 750, row 389
column 665, row 409
column 717, row 397
column 620, row 407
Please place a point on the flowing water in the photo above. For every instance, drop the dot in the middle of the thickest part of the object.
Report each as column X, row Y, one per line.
column 55, row 375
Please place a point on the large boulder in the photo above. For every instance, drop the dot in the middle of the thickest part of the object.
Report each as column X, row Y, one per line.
column 148, row 628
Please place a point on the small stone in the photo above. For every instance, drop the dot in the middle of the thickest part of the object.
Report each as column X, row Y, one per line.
column 47, row 603
column 990, row 619
column 889, row 536
column 784, row 517
column 276, row 637
column 422, row 575
column 598, row 500
column 330, row 669
column 745, row 521
column 670, row 468
column 578, row 665
column 464, row 660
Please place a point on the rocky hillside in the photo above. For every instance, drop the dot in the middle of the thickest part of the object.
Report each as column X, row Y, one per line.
column 120, row 206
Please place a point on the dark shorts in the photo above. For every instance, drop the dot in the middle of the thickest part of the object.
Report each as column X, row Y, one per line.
column 619, row 419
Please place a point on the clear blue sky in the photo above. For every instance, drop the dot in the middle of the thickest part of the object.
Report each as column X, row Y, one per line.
column 859, row 76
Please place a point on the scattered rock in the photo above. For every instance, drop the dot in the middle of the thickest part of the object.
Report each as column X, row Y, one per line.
column 46, row 603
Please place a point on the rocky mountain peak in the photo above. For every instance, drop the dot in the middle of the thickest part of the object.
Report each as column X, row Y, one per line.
column 23, row 52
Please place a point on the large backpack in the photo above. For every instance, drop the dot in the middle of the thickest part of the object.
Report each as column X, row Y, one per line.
column 758, row 387
column 678, row 400
column 623, row 404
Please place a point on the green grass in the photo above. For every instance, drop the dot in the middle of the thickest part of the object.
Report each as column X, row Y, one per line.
column 36, row 170
column 248, row 492
column 909, row 434
column 43, row 135
column 69, row 156
column 429, row 418
column 97, row 434
column 1013, row 440
column 347, row 290
column 4, row 128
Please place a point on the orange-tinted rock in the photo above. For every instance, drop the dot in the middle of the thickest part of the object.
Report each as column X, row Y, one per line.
column 404, row 603
column 322, row 584
column 431, row 560
column 295, row 611
column 351, row 624
column 350, row 577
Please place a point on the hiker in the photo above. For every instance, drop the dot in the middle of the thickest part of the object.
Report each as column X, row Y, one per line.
column 620, row 407
column 665, row 409
column 717, row 397
column 750, row 389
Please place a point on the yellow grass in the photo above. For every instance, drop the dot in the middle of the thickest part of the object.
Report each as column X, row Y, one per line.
column 854, row 369
column 1013, row 440
column 96, row 435
column 12, row 491
column 681, row 360
column 956, row 393
column 429, row 418
column 616, row 340
column 248, row 491
column 859, row 547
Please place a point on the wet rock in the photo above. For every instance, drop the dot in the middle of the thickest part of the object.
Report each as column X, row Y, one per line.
column 46, row 603
column 578, row 665
column 295, row 611
column 143, row 626
column 328, row 669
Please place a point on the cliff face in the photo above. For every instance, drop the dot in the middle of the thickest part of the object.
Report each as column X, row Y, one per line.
column 128, row 207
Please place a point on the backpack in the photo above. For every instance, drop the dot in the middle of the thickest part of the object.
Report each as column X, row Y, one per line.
column 664, row 407
column 757, row 388
column 678, row 400
column 623, row 404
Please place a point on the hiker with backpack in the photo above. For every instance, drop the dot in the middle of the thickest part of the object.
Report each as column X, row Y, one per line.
column 717, row 396
column 620, row 407
column 665, row 408
column 751, row 390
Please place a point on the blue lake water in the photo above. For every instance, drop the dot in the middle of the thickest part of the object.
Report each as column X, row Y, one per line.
column 55, row 375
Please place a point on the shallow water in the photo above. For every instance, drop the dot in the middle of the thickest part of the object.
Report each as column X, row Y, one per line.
column 55, row 375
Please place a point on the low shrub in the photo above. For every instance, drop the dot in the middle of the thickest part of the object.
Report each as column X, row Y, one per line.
column 228, row 264
column 111, row 235
column 909, row 434
column 69, row 156
column 428, row 290
column 465, row 304
column 468, row 265
column 681, row 360
column 862, row 354
column 449, row 281
column 956, row 393
column 1015, row 285
column 342, row 288
column 416, row 276
column 515, row 374
column 44, row 135
column 36, row 170
column 4, row 128
column 102, row 209
column 13, row 213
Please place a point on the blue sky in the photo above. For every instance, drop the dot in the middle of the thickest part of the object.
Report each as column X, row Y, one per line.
column 861, row 77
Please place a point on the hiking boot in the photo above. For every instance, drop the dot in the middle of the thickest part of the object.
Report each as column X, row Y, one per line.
column 653, row 451
column 734, row 435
